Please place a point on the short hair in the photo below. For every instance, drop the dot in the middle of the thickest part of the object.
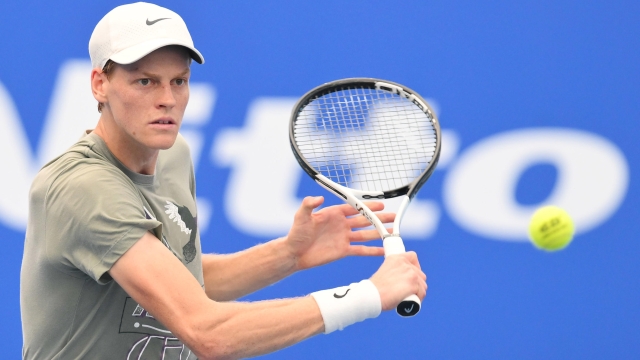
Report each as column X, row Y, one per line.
column 107, row 70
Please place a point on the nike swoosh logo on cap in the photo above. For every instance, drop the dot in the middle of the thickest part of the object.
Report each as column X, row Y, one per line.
column 155, row 21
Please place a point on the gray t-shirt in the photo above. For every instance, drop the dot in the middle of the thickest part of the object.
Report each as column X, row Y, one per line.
column 86, row 209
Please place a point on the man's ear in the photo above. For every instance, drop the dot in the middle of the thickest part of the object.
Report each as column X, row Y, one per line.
column 98, row 85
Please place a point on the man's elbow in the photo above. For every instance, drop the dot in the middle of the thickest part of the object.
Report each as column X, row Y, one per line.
column 212, row 351
column 209, row 344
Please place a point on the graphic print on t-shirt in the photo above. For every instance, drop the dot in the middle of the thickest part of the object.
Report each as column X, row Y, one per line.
column 158, row 342
column 187, row 223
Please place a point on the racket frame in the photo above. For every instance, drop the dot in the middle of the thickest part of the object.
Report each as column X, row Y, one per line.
column 352, row 196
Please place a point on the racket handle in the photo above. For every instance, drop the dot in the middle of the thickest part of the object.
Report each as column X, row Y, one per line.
column 393, row 245
column 409, row 306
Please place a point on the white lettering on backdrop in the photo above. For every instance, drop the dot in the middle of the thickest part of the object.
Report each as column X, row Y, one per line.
column 479, row 190
column 479, row 185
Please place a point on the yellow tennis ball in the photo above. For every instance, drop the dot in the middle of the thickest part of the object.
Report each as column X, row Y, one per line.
column 551, row 228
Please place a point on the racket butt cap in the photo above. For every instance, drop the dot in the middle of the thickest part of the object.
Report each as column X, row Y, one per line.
column 409, row 306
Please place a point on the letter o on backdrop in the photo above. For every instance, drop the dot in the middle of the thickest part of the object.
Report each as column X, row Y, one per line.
column 479, row 188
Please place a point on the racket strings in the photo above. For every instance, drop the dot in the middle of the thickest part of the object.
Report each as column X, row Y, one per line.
column 366, row 139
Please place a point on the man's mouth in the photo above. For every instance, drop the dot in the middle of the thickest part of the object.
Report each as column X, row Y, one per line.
column 163, row 122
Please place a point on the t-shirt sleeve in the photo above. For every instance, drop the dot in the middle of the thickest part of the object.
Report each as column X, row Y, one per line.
column 94, row 215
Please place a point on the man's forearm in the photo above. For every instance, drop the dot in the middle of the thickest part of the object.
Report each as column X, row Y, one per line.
column 229, row 277
column 239, row 330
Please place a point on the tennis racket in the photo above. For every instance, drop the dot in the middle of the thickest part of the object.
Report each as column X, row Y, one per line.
column 363, row 139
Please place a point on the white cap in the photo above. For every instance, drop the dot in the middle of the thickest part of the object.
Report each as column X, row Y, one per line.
column 130, row 32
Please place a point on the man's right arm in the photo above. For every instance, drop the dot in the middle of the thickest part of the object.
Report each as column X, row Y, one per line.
column 161, row 284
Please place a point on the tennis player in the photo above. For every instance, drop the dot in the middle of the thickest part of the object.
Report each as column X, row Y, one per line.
column 112, row 265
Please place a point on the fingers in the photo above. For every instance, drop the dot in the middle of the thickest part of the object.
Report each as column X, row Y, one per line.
column 309, row 203
column 422, row 292
column 367, row 235
column 364, row 235
column 361, row 250
column 421, row 280
column 413, row 258
column 348, row 210
column 361, row 221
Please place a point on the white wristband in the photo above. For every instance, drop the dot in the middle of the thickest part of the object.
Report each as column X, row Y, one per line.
column 346, row 305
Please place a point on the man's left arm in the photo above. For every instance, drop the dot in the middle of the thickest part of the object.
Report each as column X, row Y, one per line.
column 316, row 238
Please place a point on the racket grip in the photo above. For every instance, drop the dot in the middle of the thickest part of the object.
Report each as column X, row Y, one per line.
column 409, row 306
column 393, row 245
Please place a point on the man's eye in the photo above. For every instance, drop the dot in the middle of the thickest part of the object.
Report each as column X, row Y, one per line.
column 144, row 82
column 180, row 82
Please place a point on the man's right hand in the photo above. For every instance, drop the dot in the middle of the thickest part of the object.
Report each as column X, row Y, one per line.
column 398, row 277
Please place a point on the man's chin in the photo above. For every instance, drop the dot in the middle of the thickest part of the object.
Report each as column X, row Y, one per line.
column 163, row 142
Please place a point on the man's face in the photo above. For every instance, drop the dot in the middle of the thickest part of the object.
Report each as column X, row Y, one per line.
column 147, row 99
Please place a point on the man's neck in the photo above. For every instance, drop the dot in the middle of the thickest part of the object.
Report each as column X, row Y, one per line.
column 135, row 156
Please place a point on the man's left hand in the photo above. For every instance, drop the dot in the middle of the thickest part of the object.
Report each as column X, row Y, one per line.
column 317, row 238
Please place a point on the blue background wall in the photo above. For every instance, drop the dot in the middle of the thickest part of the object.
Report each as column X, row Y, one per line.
column 493, row 68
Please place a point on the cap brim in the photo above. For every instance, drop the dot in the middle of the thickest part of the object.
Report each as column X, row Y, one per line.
column 137, row 52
